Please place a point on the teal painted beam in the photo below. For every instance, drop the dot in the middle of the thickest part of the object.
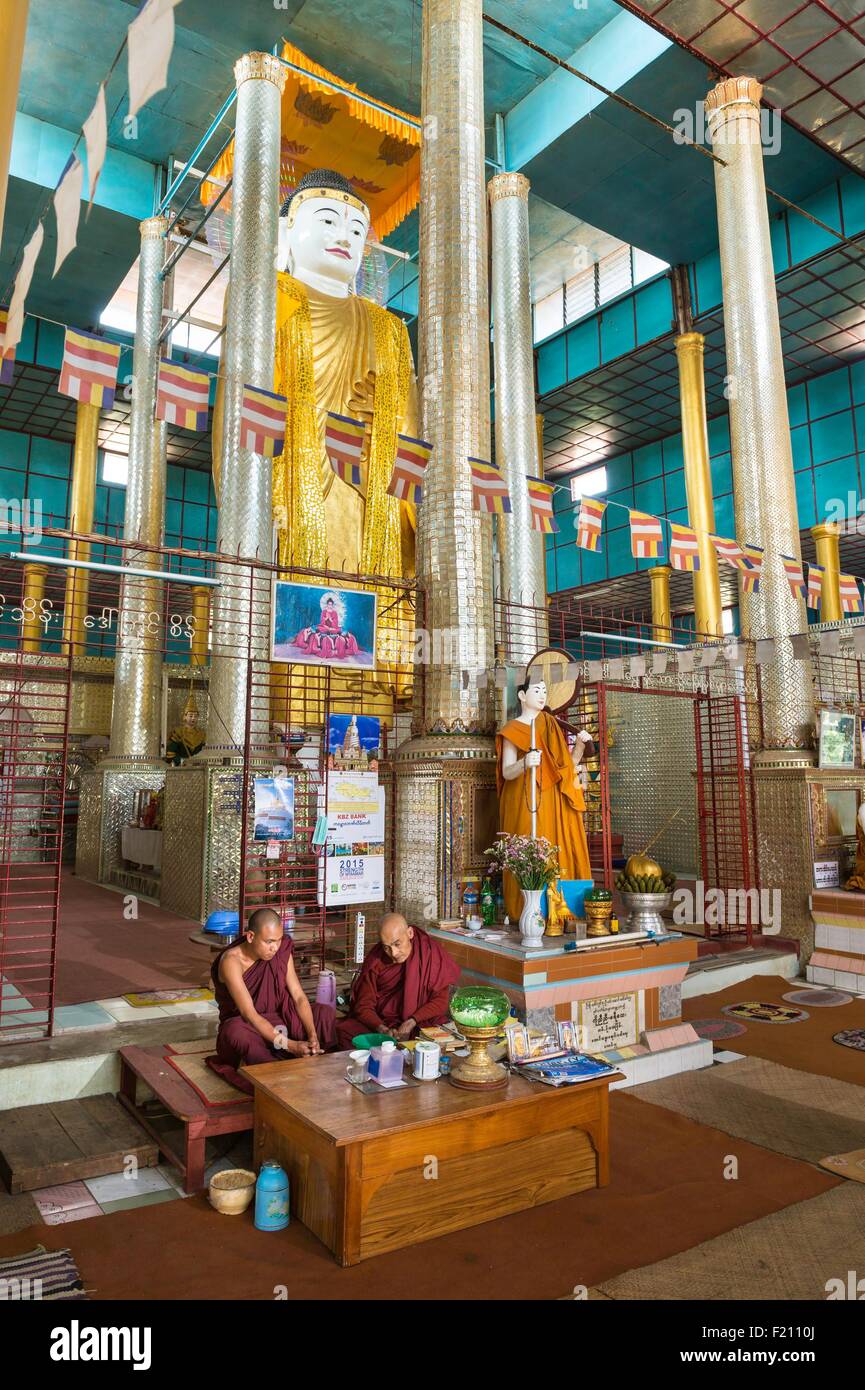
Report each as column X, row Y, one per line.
column 40, row 152
column 613, row 56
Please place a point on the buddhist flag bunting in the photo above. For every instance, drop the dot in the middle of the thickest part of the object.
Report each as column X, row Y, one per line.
column 489, row 490
column 150, row 40
column 67, row 207
column 412, row 457
column 343, row 443
column 647, row 538
column 262, row 421
column 182, row 396
column 88, row 371
column 541, row 502
column 850, row 600
column 15, row 318
column 815, row 585
column 7, row 359
column 751, row 578
column 795, row 575
column 589, row 523
column 730, row 550
column 684, row 547
column 95, row 130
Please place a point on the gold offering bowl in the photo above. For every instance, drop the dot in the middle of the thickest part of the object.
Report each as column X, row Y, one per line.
column 598, row 918
column 478, row 1071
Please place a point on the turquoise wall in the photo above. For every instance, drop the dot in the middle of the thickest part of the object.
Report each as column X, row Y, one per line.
column 827, row 427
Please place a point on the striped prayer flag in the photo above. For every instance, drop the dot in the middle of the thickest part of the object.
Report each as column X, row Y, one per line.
column 7, row 359
column 751, row 578
column 541, row 502
column 589, row 523
column 730, row 550
column 795, row 575
column 343, row 443
column 684, row 547
column 89, row 369
column 850, row 599
column 489, row 490
column 182, row 396
column 647, row 538
column 412, row 457
column 262, row 421
column 815, row 585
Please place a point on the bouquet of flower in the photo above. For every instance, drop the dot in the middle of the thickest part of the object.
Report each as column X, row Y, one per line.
column 533, row 863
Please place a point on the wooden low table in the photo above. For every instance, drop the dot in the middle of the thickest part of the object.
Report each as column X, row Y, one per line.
column 375, row 1173
column 199, row 1121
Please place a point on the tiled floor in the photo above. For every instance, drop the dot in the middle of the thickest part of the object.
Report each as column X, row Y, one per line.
column 101, row 1014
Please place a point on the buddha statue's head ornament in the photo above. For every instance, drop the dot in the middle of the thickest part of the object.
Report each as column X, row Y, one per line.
column 323, row 232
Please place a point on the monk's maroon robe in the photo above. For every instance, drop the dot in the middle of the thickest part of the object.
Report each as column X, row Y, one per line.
column 237, row 1042
column 385, row 994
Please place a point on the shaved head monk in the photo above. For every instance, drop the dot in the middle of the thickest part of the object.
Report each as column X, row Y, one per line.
column 264, row 1014
column 404, row 984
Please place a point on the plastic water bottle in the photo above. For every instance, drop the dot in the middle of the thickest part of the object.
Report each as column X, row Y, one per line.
column 271, row 1198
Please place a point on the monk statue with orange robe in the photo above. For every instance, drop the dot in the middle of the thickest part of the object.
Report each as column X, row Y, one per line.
column 856, row 881
column 548, row 762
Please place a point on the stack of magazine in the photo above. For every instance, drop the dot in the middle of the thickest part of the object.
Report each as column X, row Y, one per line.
column 563, row 1070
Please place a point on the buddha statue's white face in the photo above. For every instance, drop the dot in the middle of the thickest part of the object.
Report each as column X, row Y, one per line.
column 324, row 245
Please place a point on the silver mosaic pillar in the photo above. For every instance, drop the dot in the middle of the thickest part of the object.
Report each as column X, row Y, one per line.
column 241, row 605
column 136, row 723
column 445, row 776
column 764, row 492
column 522, row 551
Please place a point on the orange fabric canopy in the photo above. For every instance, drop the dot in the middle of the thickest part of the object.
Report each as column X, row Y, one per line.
column 375, row 149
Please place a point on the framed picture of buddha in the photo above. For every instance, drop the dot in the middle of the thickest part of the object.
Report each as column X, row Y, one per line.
column 323, row 626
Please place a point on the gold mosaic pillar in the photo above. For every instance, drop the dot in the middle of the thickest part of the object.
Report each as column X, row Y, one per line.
column 82, row 506
column 522, row 551
column 826, row 535
column 445, row 774
column 763, row 481
column 241, row 606
column 198, row 652
column 662, row 622
column 698, row 483
column 136, row 722
column 34, row 591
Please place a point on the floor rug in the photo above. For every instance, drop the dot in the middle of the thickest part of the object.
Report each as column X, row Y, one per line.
column 808, row 1046
column 717, row 1029
column 209, row 1087
column 41, row 1275
column 759, row 1011
column 153, row 998
column 792, row 1254
column 788, row 1111
column 818, row 998
column 850, row 1165
column 851, row 1037
column 18, row 1212
column 664, row 1196
column 203, row 1045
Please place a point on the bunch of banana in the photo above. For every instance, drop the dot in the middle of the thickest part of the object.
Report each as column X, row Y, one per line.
column 661, row 882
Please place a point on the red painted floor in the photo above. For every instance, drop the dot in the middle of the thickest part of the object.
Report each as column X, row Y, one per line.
column 101, row 955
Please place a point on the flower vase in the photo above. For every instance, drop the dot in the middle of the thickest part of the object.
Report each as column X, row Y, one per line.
column 532, row 926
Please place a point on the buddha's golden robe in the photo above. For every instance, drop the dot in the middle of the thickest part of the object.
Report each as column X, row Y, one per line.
column 352, row 357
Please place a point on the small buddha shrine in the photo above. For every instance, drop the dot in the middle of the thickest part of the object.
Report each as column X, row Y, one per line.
column 432, row 657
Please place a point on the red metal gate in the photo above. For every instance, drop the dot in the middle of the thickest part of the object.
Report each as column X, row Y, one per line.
column 726, row 812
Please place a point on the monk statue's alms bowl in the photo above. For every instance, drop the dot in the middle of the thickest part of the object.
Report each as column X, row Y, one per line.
column 479, row 1013
column 479, row 1007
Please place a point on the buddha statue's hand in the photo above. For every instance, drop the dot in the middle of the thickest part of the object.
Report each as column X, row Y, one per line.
column 584, row 736
column 533, row 757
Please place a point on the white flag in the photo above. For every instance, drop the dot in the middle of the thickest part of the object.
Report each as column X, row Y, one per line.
column 150, row 40
column 595, row 672
column 638, row 667
column 616, row 668
column 67, row 207
column 735, row 653
column 801, row 646
column 574, row 671
column 859, row 641
column 708, row 657
column 764, row 650
column 15, row 320
column 659, row 663
column 686, row 661
column 96, row 139
column 829, row 642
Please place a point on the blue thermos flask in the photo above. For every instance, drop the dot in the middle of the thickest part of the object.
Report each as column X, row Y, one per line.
column 271, row 1198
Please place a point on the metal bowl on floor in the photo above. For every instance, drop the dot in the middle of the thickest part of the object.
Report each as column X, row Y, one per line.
column 644, row 910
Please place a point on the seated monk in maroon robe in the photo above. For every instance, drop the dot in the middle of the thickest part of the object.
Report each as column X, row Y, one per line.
column 404, row 984
column 264, row 1015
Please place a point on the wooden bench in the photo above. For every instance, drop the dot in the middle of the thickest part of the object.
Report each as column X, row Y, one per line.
column 200, row 1121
